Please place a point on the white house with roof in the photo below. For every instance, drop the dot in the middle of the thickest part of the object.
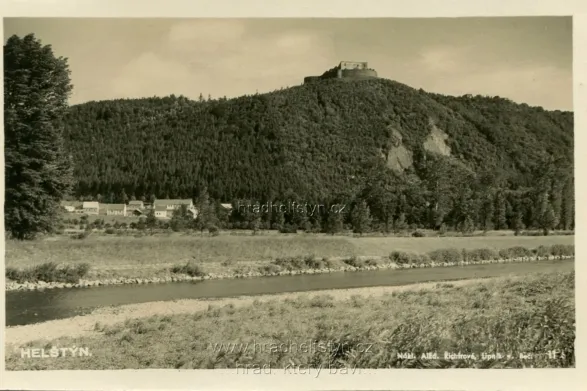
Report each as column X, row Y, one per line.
column 171, row 205
column 116, row 209
column 161, row 211
column 71, row 206
column 91, row 207
column 136, row 204
column 135, row 208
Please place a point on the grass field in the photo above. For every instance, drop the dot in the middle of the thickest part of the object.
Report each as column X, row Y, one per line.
column 127, row 251
column 525, row 315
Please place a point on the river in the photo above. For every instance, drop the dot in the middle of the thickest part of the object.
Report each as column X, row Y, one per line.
column 27, row 307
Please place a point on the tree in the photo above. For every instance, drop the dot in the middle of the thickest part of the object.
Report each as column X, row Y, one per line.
column 279, row 221
column 38, row 172
column 180, row 219
column 568, row 205
column 466, row 226
column 487, row 213
column 361, row 218
column 256, row 224
column 546, row 218
column 518, row 223
column 400, row 223
column 334, row 222
column 500, row 211
column 123, row 196
column 151, row 220
column 206, row 211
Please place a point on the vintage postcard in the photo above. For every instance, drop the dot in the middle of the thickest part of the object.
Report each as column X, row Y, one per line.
column 304, row 199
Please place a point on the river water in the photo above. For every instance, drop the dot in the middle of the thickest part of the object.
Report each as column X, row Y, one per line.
column 27, row 307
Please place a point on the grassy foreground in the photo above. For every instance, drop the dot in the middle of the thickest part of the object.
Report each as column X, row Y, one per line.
column 529, row 316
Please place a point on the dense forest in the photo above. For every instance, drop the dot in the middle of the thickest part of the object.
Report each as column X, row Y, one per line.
column 510, row 165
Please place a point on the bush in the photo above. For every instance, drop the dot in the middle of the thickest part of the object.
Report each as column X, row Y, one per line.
column 442, row 230
column 313, row 263
column 424, row 259
column 227, row 263
column 372, row 262
column 418, row 234
column 402, row 257
column 82, row 235
column 481, row 254
column 446, row 255
column 541, row 251
column 110, row 231
column 322, row 301
column 290, row 263
column 288, row 229
column 269, row 269
column 328, row 264
column 48, row 272
column 213, row 230
column 354, row 262
column 190, row 268
column 514, row 252
column 562, row 249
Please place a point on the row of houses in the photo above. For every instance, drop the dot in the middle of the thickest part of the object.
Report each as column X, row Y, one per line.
column 162, row 208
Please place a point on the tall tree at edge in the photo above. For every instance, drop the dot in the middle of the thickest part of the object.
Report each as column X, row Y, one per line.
column 37, row 172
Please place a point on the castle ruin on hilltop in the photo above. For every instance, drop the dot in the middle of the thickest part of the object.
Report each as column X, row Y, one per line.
column 352, row 70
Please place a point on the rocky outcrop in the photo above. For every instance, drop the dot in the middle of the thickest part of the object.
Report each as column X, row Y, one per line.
column 436, row 141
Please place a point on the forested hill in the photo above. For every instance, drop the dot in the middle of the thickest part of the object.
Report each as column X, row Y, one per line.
column 316, row 142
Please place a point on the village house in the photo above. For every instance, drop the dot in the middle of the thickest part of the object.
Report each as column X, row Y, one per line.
column 171, row 205
column 91, row 207
column 135, row 208
column 161, row 211
column 134, row 212
column 71, row 206
column 227, row 206
column 136, row 204
column 103, row 209
column 116, row 209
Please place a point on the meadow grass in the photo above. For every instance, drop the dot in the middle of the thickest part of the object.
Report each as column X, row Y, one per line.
column 72, row 273
column 531, row 314
column 116, row 251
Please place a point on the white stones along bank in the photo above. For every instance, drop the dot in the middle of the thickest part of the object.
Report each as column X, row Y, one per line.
column 41, row 285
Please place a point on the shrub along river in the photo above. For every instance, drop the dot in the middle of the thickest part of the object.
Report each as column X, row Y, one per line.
column 27, row 307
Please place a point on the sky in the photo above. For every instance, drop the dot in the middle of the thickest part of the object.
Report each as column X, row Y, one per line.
column 526, row 59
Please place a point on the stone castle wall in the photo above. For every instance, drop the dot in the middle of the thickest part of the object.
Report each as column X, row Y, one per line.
column 358, row 73
column 344, row 71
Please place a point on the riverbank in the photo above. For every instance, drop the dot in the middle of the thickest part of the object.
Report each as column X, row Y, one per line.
column 85, row 325
column 498, row 315
column 271, row 269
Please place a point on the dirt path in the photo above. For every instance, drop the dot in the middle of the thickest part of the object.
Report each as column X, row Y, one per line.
column 83, row 326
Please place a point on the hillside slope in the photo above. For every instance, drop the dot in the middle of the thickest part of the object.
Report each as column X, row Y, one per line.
column 314, row 142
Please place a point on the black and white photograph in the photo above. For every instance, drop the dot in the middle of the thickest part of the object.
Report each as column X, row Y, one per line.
column 299, row 196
